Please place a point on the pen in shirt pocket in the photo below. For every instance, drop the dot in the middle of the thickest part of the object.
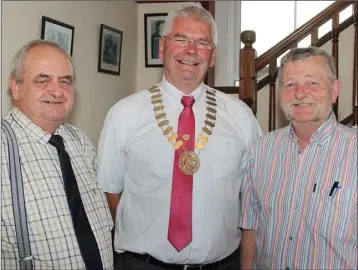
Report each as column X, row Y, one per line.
column 314, row 187
column 334, row 189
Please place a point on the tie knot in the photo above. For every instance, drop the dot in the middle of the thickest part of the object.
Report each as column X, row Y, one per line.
column 187, row 101
column 57, row 141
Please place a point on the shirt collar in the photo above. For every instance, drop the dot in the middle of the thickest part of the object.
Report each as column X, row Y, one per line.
column 172, row 91
column 29, row 127
column 322, row 133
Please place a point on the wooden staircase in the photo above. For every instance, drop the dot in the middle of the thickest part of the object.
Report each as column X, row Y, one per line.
column 250, row 66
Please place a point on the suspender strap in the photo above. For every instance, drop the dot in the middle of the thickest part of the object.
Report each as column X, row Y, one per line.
column 18, row 200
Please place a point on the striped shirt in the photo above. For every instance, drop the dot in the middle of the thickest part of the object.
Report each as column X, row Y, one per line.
column 52, row 237
column 287, row 199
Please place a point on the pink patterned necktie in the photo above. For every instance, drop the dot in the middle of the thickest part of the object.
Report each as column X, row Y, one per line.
column 180, row 219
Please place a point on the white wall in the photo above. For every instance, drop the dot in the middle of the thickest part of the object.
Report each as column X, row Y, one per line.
column 346, row 49
column 147, row 77
column 227, row 57
column 96, row 92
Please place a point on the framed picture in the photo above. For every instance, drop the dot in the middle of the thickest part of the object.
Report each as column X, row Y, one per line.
column 153, row 27
column 110, row 50
column 58, row 32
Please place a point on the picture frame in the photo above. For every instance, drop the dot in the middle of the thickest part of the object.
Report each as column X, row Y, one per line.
column 153, row 26
column 59, row 32
column 110, row 50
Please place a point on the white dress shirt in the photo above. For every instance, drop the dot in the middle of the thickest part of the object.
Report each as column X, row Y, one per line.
column 136, row 159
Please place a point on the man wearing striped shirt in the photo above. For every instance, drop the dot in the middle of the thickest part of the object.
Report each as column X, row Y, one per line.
column 301, row 193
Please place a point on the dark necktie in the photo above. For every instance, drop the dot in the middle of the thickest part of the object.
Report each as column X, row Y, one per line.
column 180, row 219
column 85, row 237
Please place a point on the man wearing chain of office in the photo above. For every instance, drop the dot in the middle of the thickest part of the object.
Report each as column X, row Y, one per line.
column 171, row 159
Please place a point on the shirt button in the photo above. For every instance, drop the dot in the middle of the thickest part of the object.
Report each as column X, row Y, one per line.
column 290, row 238
column 299, row 151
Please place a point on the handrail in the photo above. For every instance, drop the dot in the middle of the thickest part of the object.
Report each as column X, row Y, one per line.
column 250, row 66
column 325, row 38
column 342, row 26
column 300, row 33
column 266, row 80
column 347, row 120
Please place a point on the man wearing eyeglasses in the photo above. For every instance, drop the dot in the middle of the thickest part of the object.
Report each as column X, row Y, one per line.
column 171, row 159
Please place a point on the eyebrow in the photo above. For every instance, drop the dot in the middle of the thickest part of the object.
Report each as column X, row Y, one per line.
column 180, row 35
column 184, row 36
column 67, row 77
column 42, row 75
column 46, row 76
column 306, row 76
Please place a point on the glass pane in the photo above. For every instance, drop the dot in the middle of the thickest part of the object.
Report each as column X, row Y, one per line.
column 266, row 19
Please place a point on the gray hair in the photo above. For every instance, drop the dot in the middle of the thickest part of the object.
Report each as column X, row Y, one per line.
column 17, row 64
column 192, row 10
column 304, row 53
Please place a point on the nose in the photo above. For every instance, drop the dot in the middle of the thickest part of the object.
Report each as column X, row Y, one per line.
column 55, row 89
column 300, row 92
column 191, row 47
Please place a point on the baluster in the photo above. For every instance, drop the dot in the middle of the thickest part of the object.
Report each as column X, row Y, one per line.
column 294, row 45
column 314, row 37
column 355, row 66
column 247, row 89
column 272, row 105
column 335, row 35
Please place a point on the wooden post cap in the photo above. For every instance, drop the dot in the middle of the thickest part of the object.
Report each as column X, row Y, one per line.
column 248, row 36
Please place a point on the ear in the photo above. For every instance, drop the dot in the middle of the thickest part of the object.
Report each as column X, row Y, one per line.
column 212, row 61
column 14, row 88
column 336, row 89
column 161, row 49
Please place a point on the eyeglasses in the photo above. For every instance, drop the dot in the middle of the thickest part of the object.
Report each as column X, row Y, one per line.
column 199, row 43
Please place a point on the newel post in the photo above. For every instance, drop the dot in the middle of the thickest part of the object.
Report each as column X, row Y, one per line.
column 335, row 36
column 247, row 89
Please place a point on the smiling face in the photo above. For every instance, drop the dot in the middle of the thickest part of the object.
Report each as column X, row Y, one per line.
column 307, row 94
column 185, row 67
column 45, row 92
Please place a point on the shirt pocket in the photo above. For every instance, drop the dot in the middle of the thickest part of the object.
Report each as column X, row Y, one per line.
column 96, row 206
column 224, row 159
column 328, row 216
